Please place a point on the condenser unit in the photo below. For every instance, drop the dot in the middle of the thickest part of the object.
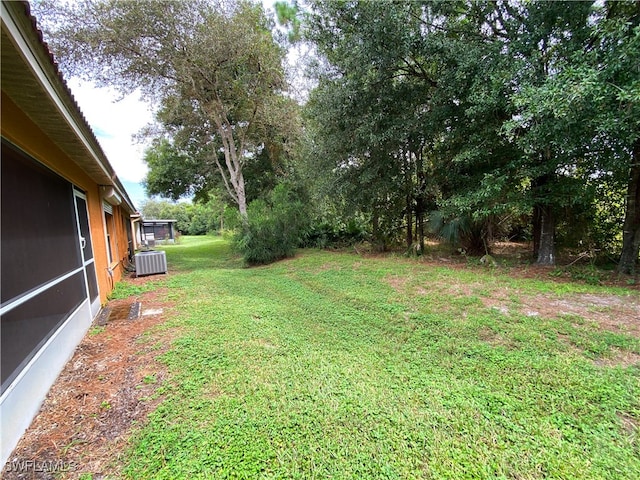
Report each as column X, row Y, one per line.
column 148, row 263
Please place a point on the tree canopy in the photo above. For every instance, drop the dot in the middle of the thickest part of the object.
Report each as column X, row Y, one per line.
column 471, row 120
column 489, row 112
column 213, row 67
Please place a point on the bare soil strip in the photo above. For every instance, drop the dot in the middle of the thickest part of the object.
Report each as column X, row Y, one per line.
column 107, row 388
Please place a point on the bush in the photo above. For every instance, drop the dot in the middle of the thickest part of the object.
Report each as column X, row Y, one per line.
column 275, row 227
column 323, row 234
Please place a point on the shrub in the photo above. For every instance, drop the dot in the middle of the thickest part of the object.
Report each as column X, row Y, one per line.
column 337, row 234
column 274, row 227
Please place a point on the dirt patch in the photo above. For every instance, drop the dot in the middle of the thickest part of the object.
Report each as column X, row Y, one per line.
column 618, row 314
column 494, row 338
column 620, row 358
column 327, row 266
column 610, row 312
column 109, row 386
column 615, row 313
column 629, row 424
column 261, row 342
column 397, row 283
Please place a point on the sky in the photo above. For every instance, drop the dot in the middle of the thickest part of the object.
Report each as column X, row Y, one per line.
column 115, row 123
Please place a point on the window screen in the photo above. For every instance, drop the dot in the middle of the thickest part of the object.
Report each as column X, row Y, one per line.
column 108, row 220
column 161, row 231
column 39, row 231
column 40, row 246
column 27, row 327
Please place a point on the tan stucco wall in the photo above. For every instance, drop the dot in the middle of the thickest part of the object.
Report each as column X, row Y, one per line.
column 22, row 132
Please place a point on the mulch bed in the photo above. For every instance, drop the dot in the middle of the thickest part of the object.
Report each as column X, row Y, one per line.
column 106, row 389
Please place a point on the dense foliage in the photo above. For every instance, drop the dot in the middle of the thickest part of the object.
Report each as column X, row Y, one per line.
column 198, row 218
column 212, row 67
column 484, row 117
column 275, row 228
column 468, row 120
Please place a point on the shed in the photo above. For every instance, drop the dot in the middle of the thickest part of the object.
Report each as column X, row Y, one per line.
column 158, row 232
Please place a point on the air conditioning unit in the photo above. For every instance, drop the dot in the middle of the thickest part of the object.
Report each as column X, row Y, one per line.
column 151, row 262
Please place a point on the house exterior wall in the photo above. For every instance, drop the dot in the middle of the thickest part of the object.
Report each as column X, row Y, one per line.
column 23, row 133
column 25, row 384
column 54, row 178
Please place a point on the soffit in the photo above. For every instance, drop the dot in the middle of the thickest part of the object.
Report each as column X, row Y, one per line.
column 30, row 96
column 30, row 77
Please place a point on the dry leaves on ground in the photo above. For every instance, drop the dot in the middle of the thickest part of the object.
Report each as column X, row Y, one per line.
column 107, row 388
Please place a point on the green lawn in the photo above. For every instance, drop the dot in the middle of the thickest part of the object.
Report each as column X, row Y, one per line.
column 331, row 365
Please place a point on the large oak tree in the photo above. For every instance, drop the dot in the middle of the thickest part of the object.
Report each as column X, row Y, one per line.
column 213, row 67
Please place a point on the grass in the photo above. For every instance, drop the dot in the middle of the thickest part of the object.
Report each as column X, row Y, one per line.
column 332, row 366
column 126, row 290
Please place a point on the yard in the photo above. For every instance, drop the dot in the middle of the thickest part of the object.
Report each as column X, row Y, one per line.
column 335, row 365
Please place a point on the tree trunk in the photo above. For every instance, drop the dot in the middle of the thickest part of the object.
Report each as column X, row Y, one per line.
column 420, row 200
column 546, row 244
column 233, row 162
column 421, row 232
column 631, row 228
column 409, row 201
column 537, row 228
column 242, row 198
column 409, row 224
column 544, row 222
column 378, row 242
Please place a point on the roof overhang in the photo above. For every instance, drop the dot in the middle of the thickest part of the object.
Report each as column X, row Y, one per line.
column 30, row 77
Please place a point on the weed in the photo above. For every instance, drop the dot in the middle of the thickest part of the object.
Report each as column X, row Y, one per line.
column 589, row 274
column 127, row 289
column 97, row 329
column 72, row 444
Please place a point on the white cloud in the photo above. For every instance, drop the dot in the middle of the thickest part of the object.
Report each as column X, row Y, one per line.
column 114, row 124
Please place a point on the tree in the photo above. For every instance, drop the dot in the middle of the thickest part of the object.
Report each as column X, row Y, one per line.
column 156, row 209
column 213, row 66
column 369, row 109
column 288, row 16
column 587, row 109
column 457, row 104
column 192, row 219
column 410, row 92
column 175, row 173
column 608, row 85
column 539, row 38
